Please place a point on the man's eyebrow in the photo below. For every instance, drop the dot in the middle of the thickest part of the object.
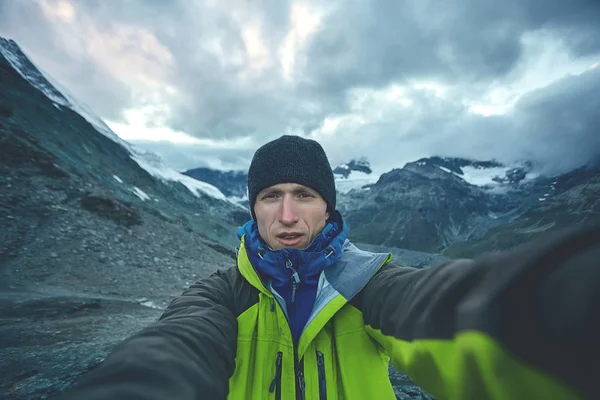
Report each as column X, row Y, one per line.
column 301, row 189
column 270, row 191
column 296, row 190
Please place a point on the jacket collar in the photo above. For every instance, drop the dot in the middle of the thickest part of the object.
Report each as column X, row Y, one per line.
column 322, row 253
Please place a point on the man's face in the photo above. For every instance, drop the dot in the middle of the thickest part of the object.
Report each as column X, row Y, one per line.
column 289, row 215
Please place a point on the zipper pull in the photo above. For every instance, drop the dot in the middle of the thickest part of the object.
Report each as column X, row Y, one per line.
column 322, row 381
column 301, row 383
column 290, row 266
column 277, row 370
column 295, row 279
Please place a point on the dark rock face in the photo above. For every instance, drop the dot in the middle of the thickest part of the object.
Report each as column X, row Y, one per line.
column 111, row 209
column 409, row 210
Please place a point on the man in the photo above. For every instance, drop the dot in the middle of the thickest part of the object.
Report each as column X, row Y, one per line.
column 305, row 314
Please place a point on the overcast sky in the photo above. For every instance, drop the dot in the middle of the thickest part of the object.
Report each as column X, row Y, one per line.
column 203, row 83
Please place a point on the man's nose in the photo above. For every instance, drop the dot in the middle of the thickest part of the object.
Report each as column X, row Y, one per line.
column 288, row 211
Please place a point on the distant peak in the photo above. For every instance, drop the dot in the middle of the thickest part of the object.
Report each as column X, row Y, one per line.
column 359, row 165
column 455, row 164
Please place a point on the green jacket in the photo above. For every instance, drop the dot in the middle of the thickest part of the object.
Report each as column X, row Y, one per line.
column 516, row 325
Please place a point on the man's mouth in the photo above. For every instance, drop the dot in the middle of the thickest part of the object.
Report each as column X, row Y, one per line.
column 289, row 236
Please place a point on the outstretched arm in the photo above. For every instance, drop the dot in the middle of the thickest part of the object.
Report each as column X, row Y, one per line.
column 188, row 354
column 518, row 325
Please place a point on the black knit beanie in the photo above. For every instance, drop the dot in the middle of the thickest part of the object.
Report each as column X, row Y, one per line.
column 291, row 159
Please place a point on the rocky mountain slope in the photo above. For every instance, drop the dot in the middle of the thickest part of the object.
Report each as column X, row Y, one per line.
column 575, row 202
column 92, row 245
column 460, row 207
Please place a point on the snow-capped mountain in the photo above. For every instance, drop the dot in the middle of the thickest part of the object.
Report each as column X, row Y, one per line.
column 60, row 96
column 449, row 204
column 79, row 141
column 485, row 174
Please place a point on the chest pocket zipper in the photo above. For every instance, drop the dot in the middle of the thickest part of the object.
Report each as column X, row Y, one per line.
column 276, row 384
column 322, row 381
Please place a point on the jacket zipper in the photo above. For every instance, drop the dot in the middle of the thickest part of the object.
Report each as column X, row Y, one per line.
column 295, row 280
column 322, row 382
column 298, row 364
column 276, row 384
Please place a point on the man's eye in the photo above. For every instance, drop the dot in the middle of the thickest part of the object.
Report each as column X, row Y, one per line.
column 305, row 195
column 269, row 196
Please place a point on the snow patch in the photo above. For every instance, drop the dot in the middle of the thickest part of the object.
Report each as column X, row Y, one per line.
column 140, row 193
column 155, row 168
column 483, row 176
column 446, row 170
column 117, row 179
column 355, row 181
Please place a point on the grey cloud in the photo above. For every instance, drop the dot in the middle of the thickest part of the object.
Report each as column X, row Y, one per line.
column 466, row 44
column 214, row 103
column 564, row 121
column 464, row 41
column 555, row 127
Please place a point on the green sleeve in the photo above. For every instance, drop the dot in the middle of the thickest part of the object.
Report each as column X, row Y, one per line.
column 517, row 325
